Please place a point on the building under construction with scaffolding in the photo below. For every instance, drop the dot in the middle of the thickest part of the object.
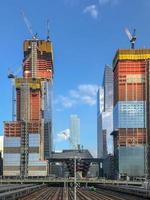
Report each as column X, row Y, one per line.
column 28, row 138
column 131, row 112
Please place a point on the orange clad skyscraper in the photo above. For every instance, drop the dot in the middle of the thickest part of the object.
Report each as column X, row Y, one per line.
column 28, row 140
column 131, row 115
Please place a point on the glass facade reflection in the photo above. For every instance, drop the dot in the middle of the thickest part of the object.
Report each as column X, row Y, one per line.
column 131, row 160
column 105, row 114
column 34, row 157
column 129, row 114
column 12, row 141
column 12, row 159
column 108, row 88
column 74, row 131
column 34, row 140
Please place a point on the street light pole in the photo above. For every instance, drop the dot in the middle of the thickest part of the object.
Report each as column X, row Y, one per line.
column 75, row 178
column 75, row 172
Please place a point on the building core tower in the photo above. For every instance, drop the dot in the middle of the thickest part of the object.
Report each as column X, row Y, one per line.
column 28, row 140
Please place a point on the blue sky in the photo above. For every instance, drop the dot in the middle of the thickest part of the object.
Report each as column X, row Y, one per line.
column 85, row 36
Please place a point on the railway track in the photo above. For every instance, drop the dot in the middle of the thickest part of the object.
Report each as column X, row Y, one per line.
column 118, row 196
column 86, row 194
column 58, row 193
column 90, row 195
column 48, row 193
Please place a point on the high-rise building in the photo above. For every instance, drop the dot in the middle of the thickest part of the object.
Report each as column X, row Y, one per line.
column 100, row 100
column 1, row 155
column 108, row 88
column 74, row 131
column 1, row 144
column 131, row 111
column 105, row 114
column 28, row 139
column 100, row 107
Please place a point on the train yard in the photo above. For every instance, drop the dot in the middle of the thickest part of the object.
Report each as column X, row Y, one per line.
column 66, row 192
column 60, row 193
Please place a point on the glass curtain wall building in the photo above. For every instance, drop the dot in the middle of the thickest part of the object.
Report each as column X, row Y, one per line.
column 74, row 131
column 108, row 88
column 130, row 111
column 105, row 114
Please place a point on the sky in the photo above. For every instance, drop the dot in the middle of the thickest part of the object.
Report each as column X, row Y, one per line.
column 85, row 36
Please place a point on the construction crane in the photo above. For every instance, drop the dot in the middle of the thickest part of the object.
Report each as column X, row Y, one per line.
column 12, row 76
column 48, row 30
column 34, row 44
column 28, row 24
column 132, row 37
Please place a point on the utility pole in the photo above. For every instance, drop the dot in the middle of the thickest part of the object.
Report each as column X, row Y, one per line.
column 75, row 171
column 75, row 178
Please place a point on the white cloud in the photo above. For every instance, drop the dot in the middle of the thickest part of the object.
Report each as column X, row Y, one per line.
column 88, row 89
column 92, row 10
column 88, row 100
column 63, row 135
column 84, row 94
column 74, row 94
column 67, row 102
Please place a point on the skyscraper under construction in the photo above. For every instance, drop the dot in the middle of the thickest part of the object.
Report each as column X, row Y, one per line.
column 131, row 111
column 28, row 139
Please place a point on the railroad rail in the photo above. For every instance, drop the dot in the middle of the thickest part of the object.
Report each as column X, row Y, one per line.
column 51, row 193
column 48, row 193
column 86, row 194
column 8, row 188
column 17, row 193
column 130, row 190
column 45, row 192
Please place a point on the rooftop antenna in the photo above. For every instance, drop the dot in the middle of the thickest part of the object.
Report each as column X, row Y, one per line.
column 48, row 30
column 28, row 25
column 132, row 37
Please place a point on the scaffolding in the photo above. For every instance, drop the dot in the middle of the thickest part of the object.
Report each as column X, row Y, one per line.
column 33, row 107
column 25, row 111
column 34, row 58
column 48, row 121
column 42, row 121
column 132, row 103
column 13, row 100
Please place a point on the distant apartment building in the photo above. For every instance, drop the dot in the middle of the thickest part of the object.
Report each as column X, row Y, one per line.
column 105, row 114
column 1, row 155
column 131, row 111
column 74, row 131
column 1, row 144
